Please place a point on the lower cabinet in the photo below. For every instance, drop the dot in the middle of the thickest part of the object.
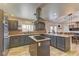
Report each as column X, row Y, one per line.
column 28, row 40
column 16, row 41
column 23, row 40
column 62, row 43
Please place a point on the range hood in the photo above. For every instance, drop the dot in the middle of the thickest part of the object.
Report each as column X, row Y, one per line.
column 39, row 24
column 38, row 14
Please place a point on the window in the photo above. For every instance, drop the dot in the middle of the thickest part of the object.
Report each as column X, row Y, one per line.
column 27, row 28
column 51, row 29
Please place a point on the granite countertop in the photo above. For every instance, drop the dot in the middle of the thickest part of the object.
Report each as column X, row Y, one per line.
column 19, row 33
column 61, row 35
column 16, row 33
column 73, row 31
column 39, row 40
column 70, row 31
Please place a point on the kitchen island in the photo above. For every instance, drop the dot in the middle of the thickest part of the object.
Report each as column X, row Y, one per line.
column 40, row 46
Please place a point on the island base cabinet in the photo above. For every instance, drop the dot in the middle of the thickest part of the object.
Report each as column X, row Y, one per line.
column 44, row 48
column 40, row 48
column 33, row 49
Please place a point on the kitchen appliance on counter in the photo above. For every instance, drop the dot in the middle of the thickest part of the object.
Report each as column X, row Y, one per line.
column 4, row 40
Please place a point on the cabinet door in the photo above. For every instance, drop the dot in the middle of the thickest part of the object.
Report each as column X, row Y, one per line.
column 60, row 43
column 44, row 48
column 17, row 41
column 13, row 24
column 11, row 41
column 67, row 44
column 53, row 41
column 40, row 25
column 22, row 40
column 16, row 25
column 29, row 40
column 14, row 41
column 26, row 40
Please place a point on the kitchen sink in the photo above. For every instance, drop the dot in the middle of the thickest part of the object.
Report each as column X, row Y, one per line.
column 39, row 37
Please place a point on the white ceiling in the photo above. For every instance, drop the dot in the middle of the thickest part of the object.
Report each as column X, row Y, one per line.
column 50, row 11
column 20, row 9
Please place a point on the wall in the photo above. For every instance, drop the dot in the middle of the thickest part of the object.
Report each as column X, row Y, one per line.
column 48, row 24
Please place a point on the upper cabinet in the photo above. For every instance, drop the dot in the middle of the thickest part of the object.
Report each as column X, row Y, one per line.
column 74, row 26
column 13, row 24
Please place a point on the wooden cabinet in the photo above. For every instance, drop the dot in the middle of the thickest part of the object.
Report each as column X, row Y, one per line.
column 13, row 24
column 16, row 41
column 40, row 50
column 44, row 49
column 53, row 41
column 29, row 40
column 23, row 39
column 59, row 42
column 39, row 25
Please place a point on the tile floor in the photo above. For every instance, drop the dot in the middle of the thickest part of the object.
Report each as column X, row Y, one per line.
column 24, row 51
